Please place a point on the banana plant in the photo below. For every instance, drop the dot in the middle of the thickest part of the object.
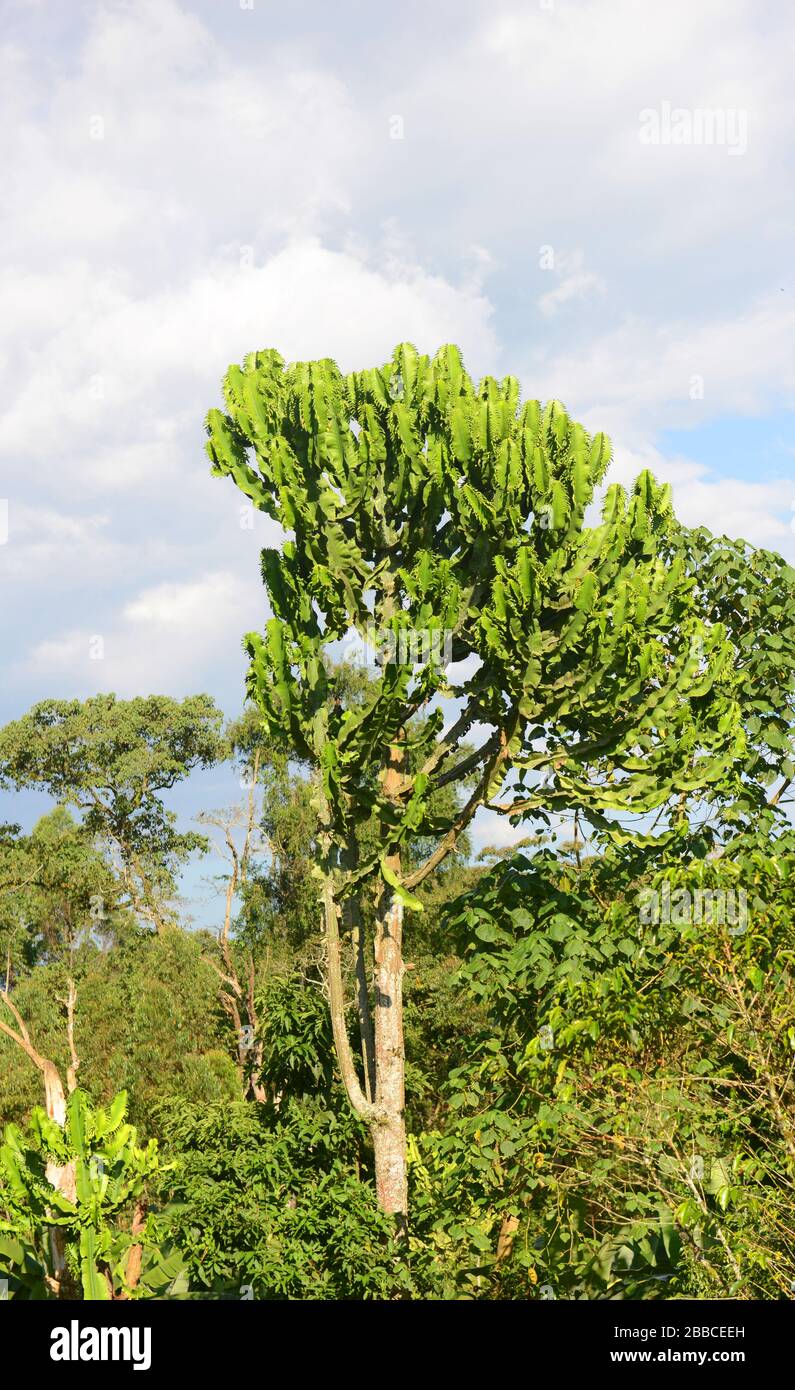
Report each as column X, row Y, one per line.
column 111, row 1171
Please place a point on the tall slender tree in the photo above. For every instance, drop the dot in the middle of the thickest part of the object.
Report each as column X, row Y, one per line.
column 446, row 523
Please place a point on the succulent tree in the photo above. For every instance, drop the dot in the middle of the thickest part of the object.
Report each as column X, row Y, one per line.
column 544, row 664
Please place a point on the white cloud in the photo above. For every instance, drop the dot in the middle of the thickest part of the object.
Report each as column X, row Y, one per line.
column 153, row 144
column 41, row 543
column 544, row 149
column 758, row 511
column 126, row 290
column 643, row 376
column 494, row 831
column 163, row 641
column 575, row 283
column 126, row 368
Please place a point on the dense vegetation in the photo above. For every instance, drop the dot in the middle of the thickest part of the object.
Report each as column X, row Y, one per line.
column 596, row 1026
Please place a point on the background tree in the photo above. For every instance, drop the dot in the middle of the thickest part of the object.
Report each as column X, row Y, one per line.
column 751, row 593
column 57, row 887
column 113, row 759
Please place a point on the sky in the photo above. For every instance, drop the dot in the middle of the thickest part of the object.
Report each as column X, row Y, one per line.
column 594, row 195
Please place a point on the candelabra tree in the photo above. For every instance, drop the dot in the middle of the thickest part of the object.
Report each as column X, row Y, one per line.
column 540, row 662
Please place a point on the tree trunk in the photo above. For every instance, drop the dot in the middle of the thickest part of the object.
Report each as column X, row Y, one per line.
column 389, row 1128
column 63, row 1177
column 136, row 1255
column 506, row 1237
column 380, row 1102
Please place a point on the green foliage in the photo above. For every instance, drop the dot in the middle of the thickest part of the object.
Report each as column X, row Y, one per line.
column 752, row 594
column 599, row 1091
column 56, row 888
column 297, row 1052
column 108, row 1169
column 148, row 1021
column 270, row 1206
column 421, row 503
column 627, row 1103
column 130, row 748
column 113, row 759
column 274, row 1200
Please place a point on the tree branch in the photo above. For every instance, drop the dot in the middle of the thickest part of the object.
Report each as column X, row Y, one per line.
column 477, row 799
column 363, row 1107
